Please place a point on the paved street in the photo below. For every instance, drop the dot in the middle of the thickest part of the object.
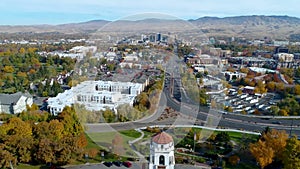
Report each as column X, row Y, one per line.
column 194, row 114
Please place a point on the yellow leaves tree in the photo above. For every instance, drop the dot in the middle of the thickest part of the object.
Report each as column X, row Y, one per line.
column 244, row 70
column 6, row 158
column 283, row 112
column 297, row 89
column 17, row 137
column 21, row 75
column 269, row 147
column 263, row 154
column 291, row 155
column 22, row 51
column 32, row 50
column 271, row 86
column 8, row 69
column 260, row 88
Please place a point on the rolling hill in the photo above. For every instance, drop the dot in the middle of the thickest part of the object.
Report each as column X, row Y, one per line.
column 276, row 27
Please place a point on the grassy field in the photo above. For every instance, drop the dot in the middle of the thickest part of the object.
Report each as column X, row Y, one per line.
column 104, row 140
column 27, row 166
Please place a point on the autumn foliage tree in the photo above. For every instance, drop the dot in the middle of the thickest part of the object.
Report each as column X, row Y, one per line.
column 291, row 154
column 269, row 147
column 58, row 140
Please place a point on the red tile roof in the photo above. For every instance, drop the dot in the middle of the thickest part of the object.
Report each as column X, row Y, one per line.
column 162, row 138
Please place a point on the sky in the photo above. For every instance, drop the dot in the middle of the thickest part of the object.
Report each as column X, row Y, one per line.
column 29, row 12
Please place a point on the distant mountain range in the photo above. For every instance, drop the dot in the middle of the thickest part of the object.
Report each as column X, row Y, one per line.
column 277, row 27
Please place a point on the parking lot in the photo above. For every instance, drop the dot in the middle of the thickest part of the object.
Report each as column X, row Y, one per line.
column 246, row 102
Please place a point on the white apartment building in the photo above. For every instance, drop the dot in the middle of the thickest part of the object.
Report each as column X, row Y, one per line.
column 284, row 57
column 96, row 95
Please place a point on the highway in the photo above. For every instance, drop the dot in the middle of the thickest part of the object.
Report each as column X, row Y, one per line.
column 192, row 114
column 199, row 116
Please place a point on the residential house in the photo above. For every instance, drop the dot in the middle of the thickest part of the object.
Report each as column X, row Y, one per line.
column 14, row 103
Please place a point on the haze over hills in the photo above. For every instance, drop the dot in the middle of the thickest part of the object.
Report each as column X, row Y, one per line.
column 276, row 27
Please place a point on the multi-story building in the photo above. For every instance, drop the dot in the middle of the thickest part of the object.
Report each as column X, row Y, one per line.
column 284, row 57
column 96, row 95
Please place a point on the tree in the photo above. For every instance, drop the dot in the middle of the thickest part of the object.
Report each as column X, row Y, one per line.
column 93, row 152
column 53, row 130
column 291, row 154
column 71, row 122
column 45, row 151
column 283, row 112
column 234, row 160
column 279, row 86
column 271, row 86
column 22, row 51
column 274, row 110
column 262, row 153
column 143, row 100
column 240, row 92
column 244, row 70
column 8, row 69
column 6, row 158
column 269, row 147
column 297, row 89
column 297, row 72
column 33, row 107
column 222, row 137
column 109, row 116
column 17, row 138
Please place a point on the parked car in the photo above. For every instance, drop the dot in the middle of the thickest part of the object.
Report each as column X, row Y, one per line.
column 127, row 164
column 108, row 164
column 117, row 163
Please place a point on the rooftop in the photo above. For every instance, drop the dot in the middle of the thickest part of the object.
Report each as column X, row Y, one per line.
column 11, row 98
column 162, row 138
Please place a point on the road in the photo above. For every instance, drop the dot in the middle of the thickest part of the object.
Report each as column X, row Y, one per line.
column 196, row 115
column 193, row 114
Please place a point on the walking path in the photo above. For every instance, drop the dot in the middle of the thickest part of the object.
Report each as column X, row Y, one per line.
column 141, row 156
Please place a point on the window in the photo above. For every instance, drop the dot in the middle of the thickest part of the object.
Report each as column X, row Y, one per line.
column 161, row 160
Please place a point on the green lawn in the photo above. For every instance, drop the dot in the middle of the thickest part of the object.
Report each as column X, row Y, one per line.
column 27, row 166
column 104, row 140
column 131, row 133
column 235, row 136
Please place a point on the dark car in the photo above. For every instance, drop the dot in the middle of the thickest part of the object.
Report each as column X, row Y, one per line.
column 108, row 164
column 117, row 163
column 127, row 164
column 276, row 122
